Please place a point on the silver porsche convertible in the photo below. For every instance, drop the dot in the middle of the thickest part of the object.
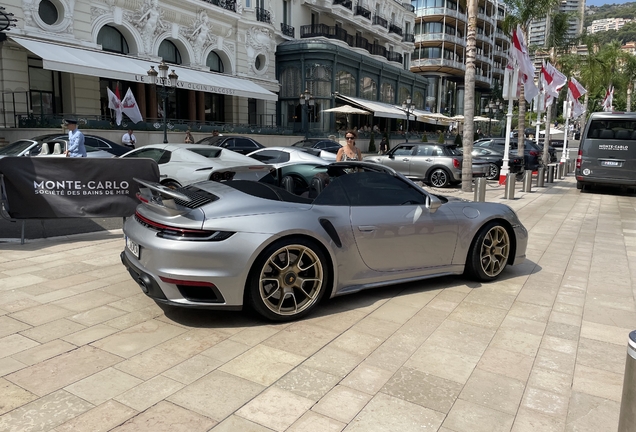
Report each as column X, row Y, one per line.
column 225, row 245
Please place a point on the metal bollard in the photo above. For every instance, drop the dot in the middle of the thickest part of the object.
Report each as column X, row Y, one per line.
column 627, row 417
column 480, row 189
column 541, row 176
column 560, row 170
column 509, row 193
column 551, row 173
column 527, row 181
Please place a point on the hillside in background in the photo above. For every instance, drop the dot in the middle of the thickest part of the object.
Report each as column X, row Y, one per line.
column 625, row 10
column 625, row 34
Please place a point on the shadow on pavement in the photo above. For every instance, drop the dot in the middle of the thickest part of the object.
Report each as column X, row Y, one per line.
column 44, row 228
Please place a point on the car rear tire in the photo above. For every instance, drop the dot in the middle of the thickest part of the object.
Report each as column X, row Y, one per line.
column 439, row 178
column 579, row 185
column 288, row 280
column 489, row 252
column 493, row 172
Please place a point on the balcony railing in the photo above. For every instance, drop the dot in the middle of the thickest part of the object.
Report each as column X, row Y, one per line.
column 408, row 37
column 357, row 41
column 394, row 57
column 409, row 7
column 362, row 11
column 395, row 29
column 225, row 4
column 263, row 15
column 378, row 20
column 344, row 3
column 287, row 30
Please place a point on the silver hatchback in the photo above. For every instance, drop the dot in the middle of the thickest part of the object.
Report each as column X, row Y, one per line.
column 440, row 165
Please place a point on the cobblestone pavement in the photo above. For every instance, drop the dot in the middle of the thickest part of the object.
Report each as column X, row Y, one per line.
column 542, row 349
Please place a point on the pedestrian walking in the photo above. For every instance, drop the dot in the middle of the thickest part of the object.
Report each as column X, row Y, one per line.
column 75, row 146
column 384, row 146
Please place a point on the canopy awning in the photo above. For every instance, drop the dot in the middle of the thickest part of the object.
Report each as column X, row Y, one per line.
column 65, row 58
column 379, row 109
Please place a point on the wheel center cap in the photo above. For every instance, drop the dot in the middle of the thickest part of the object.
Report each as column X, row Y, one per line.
column 290, row 278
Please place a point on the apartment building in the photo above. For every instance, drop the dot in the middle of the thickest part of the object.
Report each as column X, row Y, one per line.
column 607, row 24
column 440, row 50
column 539, row 28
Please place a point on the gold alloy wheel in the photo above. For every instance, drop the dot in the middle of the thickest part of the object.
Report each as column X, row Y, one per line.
column 291, row 280
column 494, row 251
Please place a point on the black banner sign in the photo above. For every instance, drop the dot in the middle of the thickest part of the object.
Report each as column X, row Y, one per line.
column 47, row 188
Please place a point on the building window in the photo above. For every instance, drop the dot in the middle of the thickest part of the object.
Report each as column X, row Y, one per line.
column 112, row 40
column 169, row 52
column 368, row 89
column 214, row 62
column 214, row 107
column 387, row 93
column 42, row 89
column 290, row 83
column 345, row 84
column 48, row 12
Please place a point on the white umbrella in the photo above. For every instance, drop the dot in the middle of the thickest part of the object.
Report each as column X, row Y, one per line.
column 346, row 109
column 553, row 132
column 481, row 119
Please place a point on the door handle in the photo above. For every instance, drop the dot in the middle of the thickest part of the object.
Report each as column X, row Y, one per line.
column 367, row 228
column 405, row 160
column 429, row 160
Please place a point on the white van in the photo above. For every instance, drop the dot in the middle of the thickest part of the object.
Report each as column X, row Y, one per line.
column 607, row 151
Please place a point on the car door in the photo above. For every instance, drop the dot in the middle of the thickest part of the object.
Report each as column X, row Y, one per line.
column 400, row 158
column 425, row 156
column 244, row 145
column 393, row 228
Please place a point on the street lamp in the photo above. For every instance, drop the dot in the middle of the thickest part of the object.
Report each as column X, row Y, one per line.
column 167, row 88
column 491, row 110
column 408, row 107
column 306, row 100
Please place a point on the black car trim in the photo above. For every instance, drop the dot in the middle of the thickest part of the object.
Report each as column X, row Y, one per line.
column 331, row 231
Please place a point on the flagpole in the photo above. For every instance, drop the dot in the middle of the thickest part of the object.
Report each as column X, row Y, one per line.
column 511, row 81
column 568, row 112
column 540, row 102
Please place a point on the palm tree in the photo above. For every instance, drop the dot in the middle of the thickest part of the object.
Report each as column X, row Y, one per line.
column 522, row 12
column 469, row 97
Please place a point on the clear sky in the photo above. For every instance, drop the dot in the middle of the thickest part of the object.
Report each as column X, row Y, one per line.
column 602, row 2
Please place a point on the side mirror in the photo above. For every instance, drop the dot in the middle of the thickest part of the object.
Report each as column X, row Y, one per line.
column 391, row 156
column 432, row 203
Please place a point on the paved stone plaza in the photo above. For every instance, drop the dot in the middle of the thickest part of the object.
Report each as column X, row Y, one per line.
column 543, row 349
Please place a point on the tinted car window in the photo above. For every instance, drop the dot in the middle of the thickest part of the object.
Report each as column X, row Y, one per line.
column 271, row 156
column 211, row 140
column 158, row 155
column 244, row 143
column 403, row 150
column 379, row 189
column 95, row 143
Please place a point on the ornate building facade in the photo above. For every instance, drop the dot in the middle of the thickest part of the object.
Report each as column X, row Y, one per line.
column 64, row 54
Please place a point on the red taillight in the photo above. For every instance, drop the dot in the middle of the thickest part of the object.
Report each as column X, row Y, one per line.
column 533, row 153
column 174, row 233
column 456, row 163
column 579, row 158
column 141, row 198
column 186, row 282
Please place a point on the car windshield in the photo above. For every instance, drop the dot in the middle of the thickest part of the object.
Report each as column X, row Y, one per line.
column 305, row 144
column 208, row 153
column 16, row 147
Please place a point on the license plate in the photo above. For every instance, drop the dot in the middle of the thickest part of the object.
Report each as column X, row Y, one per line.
column 132, row 247
column 610, row 163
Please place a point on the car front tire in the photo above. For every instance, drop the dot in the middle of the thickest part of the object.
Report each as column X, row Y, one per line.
column 288, row 280
column 488, row 255
column 439, row 178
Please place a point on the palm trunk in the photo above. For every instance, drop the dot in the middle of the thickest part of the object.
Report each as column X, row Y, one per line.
column 522, row 121
column 469, row 98
column 629, row 98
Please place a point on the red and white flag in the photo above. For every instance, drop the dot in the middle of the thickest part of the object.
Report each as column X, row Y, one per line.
column 519, row 53
column 609, row 99
column 575, row 91
column 130, row 107
column 114, row 103
column 553, row 79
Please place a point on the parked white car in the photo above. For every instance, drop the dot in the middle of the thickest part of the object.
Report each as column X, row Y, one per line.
column 184, row 164
column 52, row 148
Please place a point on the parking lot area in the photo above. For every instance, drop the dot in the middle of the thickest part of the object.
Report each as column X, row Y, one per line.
column 541, row 349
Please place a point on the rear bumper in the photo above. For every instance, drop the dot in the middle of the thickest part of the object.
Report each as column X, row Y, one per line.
column 604, row 181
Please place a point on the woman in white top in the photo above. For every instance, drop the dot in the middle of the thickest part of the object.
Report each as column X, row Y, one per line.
column 349, row 152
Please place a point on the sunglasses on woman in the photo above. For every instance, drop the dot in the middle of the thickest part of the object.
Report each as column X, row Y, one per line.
column 350, row 137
